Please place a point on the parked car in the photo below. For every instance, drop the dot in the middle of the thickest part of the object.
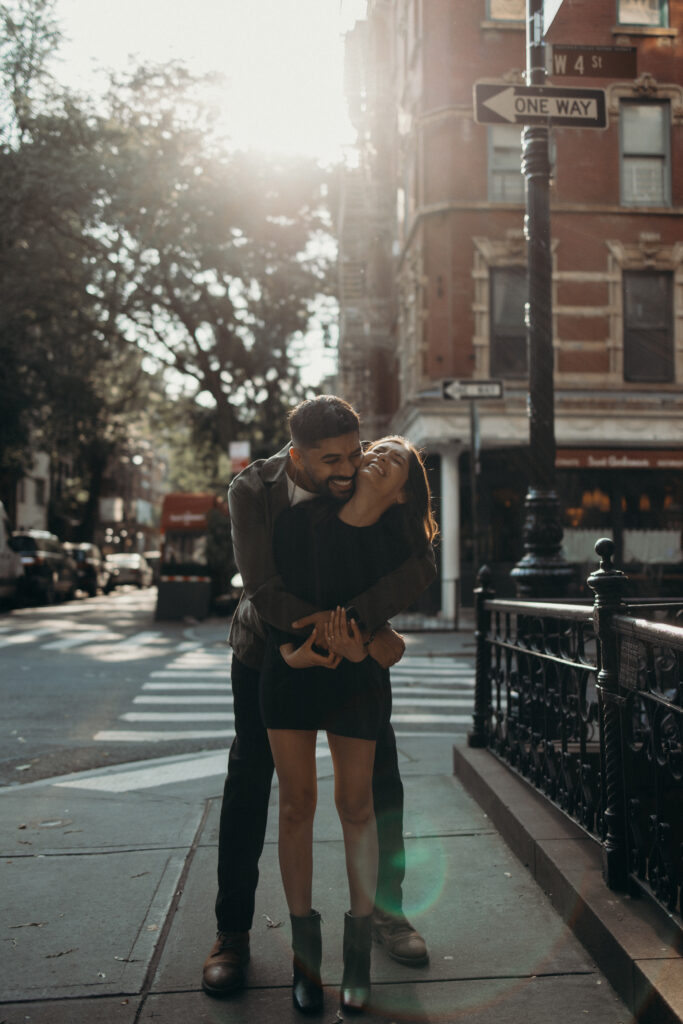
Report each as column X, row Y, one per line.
column 93, row 574
column 50, row 572
column 130, row 568
column 11, row 569
column 153, row 559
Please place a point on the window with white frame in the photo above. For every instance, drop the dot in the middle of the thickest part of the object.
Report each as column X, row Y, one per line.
column 506, row 182
column 645, row 153
column 648, row 326
column 508, row 347
column 506, row 10
column 643, row 12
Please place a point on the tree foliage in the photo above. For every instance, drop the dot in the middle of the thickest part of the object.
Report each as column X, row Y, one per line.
column 135, row 242
column 222, row 271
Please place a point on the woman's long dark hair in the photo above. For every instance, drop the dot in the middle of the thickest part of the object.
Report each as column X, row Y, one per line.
column 418, row 506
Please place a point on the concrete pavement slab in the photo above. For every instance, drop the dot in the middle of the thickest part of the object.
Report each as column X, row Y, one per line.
column 637, row 945
column 83, row 923
column 463, row 890
column 568, row 999
column 117, row 1010
column 44, row 818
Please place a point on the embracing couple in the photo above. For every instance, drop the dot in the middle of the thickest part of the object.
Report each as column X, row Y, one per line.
column 331, row 540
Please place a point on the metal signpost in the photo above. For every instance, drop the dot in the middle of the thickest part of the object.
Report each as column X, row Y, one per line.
column 472, row 390
column 542, row 571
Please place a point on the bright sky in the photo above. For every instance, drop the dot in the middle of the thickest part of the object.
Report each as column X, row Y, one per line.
column 282, row 59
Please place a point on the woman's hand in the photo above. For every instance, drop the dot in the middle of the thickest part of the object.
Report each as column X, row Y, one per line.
column 344, row 638
column 305, row 657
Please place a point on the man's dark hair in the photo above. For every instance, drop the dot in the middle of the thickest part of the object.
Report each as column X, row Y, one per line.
column 314, row 419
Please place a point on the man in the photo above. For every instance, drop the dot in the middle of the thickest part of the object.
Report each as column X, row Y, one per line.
column 322, row 459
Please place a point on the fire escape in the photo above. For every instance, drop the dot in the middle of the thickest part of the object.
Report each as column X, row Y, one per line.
column 367, row 362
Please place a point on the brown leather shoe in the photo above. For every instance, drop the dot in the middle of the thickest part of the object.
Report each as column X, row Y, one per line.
column 401, row 941
column 225, row 967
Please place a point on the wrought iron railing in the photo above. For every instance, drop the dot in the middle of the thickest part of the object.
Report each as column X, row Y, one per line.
column 586, row 702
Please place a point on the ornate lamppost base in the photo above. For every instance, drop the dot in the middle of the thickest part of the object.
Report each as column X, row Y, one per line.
column 543, row 570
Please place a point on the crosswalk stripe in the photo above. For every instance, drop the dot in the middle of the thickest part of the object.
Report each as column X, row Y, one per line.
column 150, row 776
column 186, row 686
column 209, row 699
column 138, row 639
column 69, row 642
column 158, row 736
column 189, row 697
column 28, row 637
column 174, row 673
column 418, row 700
column 453, row 719
column 179, row 716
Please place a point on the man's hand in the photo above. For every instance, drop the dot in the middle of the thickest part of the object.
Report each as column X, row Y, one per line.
column 387, row 647
column 318, row 619
column 305, row 657
column 345, row 638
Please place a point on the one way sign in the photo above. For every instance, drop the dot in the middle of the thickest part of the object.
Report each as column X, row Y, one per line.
column 539, row 104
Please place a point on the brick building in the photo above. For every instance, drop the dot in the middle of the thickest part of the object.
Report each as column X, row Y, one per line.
column 443, row 233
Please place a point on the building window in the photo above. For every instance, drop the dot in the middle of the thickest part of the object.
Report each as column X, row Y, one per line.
column 508, row 330
column 648, row 326
column 506, row 181
column 643, row 12
column 645, row 174
column 39, row 486
column 506, row 10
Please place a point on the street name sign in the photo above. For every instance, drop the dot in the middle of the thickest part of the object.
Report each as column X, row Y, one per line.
column 591, row 61
column 468, row 388
column 539, row 104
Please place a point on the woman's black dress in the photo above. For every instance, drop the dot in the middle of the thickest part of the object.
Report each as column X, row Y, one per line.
column 327, row 563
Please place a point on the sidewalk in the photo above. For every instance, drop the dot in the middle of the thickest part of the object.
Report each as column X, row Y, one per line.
column 108, row 882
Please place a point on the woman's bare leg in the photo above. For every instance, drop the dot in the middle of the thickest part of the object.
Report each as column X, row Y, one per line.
column 353, row 760
column 294, row 757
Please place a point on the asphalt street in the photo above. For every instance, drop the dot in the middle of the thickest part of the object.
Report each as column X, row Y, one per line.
column 97, row 681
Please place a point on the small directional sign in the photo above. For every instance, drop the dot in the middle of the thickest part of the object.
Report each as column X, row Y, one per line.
column 592, row 61
column 539, row 104
column 458, row 389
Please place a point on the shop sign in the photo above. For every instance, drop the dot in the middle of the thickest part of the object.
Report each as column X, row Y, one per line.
column 617, row 458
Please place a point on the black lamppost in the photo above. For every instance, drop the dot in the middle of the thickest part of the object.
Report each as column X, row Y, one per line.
column 542, row 571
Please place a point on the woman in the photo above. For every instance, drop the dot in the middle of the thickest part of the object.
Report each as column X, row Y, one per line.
column 326, row 555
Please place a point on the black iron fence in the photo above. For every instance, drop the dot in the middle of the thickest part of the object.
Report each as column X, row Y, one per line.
column 586, row 702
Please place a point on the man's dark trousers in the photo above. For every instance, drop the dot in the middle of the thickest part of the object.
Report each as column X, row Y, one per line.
column 244, row 811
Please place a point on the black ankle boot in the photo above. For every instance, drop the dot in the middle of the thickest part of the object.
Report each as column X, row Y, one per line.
column 307, row 989
column 355, row 986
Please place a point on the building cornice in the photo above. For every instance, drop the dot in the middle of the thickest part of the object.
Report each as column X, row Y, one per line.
column 483, row 206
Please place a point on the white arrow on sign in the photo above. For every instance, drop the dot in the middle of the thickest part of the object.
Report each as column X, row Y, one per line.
column 511, row 106
column 458, row 389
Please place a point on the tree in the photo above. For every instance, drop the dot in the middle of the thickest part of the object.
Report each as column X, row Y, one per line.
column 132, row 241
column 219, row 251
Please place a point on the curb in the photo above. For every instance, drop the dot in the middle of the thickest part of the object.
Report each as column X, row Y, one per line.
column 632, row 940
